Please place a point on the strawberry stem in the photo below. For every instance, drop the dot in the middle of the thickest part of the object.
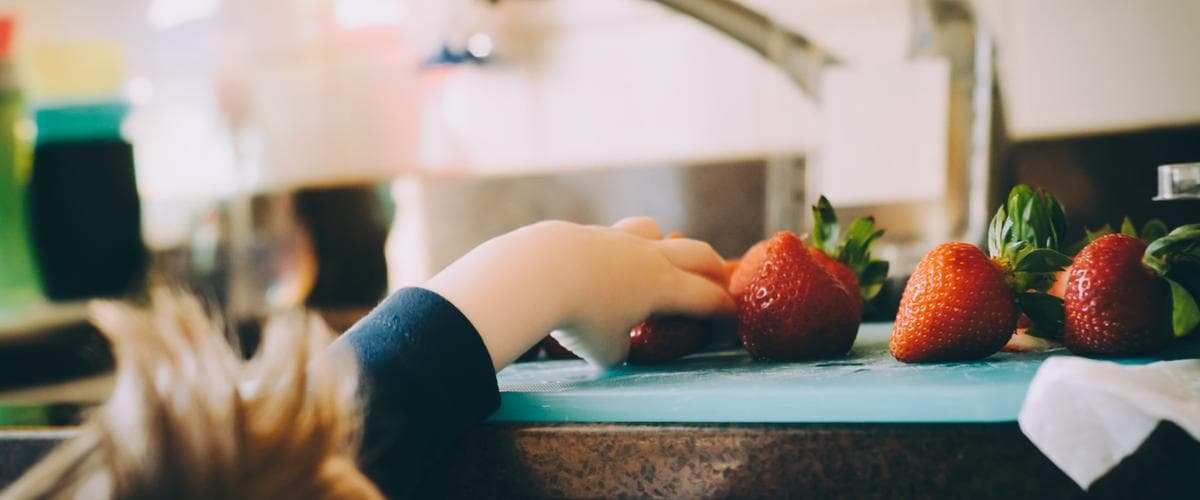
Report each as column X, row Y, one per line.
column 1152, row 230
column 853, row 249
column 1025, row 237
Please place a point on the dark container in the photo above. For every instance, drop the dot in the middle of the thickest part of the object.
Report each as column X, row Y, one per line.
column 85, row 217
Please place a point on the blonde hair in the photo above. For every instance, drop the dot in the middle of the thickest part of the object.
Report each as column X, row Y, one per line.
column 189, row 419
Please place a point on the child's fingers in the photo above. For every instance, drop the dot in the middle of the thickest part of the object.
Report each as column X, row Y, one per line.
column 640, row 226
column 694, row 256
column 697, row 295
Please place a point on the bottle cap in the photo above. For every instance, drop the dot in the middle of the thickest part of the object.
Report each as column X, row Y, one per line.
column 75, row 122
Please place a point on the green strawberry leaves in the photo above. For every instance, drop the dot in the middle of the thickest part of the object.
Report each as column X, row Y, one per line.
column 1033, row 217
column 996, row 232
column 825, row 227
column 1127, row 228
column 1152, row 230
column 1058, row 221
column 1030, row 219
column 853, row 249
column 1185, row 314
column 1181, row 244
column 870, row 282
column 1035, row 268
column 1045, row 311
column 1176, row 257
column 1025, row 235
column 1040, row 260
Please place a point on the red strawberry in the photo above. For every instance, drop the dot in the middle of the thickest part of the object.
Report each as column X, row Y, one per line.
column 957, row 306
column 843, row 274
column 1115, row 305
column 1152, row 230
column 794, row 308
column 960, row 304
column 663, row 338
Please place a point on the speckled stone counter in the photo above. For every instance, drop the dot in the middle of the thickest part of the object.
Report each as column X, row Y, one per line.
column 765, row 461
column 756, row 461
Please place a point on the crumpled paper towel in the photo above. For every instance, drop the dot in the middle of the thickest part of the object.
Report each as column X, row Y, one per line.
column 1088, row 415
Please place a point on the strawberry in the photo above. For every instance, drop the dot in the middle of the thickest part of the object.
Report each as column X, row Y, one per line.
column 961, row 304
column 794, row 308
column 957, row 305
column 840, row 272
column 1114, row 305
column 1127, row 298
column 1151, row 230
column 663, row 338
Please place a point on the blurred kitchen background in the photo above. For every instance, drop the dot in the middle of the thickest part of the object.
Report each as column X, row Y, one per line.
column 270, row 153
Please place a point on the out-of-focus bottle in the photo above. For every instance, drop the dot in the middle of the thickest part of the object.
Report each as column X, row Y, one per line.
column 83, row 201
column 19, row 282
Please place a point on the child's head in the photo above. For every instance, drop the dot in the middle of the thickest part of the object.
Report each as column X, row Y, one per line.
column 189, row 419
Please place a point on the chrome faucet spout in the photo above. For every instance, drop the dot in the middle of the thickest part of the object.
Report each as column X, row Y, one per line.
column 796, row 55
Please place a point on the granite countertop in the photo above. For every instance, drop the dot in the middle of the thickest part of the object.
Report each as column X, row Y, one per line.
column 504, row 460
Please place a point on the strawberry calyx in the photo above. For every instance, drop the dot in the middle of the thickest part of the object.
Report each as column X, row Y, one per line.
column 1176, row 258
column 1152, row 230
column 852, row 249
column 1025, row 238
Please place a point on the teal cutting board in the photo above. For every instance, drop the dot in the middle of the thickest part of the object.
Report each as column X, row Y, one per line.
column 866, row 386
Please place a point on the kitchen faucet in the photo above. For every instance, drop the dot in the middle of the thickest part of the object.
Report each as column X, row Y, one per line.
column 940, row 28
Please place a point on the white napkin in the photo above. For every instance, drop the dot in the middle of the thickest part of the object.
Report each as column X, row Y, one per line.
column 1088, row 415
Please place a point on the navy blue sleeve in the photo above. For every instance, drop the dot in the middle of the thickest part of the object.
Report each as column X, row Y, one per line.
column 426, row 376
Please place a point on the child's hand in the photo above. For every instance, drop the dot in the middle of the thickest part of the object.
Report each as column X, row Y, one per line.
column 590, row 283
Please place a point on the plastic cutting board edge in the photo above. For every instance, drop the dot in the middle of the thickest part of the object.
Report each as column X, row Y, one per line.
column 866, row 386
